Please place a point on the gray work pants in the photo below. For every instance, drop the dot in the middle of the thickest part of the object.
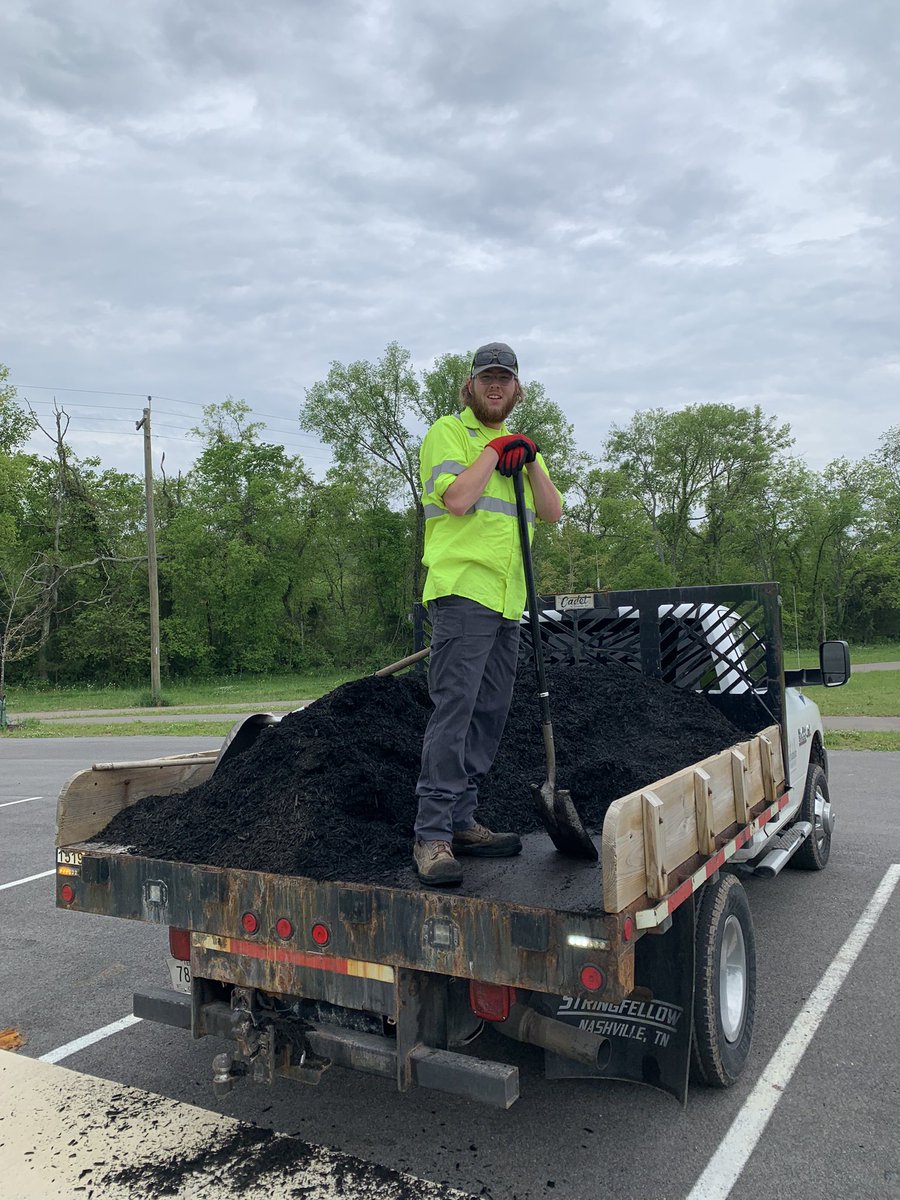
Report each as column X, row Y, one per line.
column 471, row 672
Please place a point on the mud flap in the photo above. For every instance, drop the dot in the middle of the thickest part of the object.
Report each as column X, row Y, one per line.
column 649, row 1033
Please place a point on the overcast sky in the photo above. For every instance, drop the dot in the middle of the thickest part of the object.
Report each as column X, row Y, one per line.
column 655, row 203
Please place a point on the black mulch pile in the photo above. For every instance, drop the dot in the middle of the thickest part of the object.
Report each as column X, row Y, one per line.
column 329, row 792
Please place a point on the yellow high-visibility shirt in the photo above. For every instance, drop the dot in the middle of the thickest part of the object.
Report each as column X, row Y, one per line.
column 477, row 555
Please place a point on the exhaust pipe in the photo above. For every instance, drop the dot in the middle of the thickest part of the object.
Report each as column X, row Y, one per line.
column 776, row 860
column 525, row 1025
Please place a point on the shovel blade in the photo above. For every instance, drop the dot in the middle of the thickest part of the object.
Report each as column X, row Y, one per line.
column 562, row 822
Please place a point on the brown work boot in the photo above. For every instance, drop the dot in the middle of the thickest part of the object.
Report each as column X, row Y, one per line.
column 480, row 842
column 436, row 865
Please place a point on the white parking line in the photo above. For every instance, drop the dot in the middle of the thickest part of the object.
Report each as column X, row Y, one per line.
column 61, row 1052
column 27, row 879
column 10, row 803
column 724, row 1168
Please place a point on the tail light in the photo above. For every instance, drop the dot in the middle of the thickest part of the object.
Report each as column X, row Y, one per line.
column 491, row 1001
column 180, row 943
column 591, row 978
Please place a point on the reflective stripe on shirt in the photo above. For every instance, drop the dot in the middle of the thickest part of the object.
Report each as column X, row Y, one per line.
column 478, row 554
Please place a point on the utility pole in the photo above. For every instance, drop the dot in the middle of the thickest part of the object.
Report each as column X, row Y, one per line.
column 155, row 685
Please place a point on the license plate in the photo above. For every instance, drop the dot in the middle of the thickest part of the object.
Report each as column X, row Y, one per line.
column 180, row 973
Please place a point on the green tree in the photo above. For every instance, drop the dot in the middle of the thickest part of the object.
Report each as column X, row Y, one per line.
column 232, row 551
column 545, row 423
column 364, row 412
column 16, row 426
column 441, row 384
column 608, row 525
column 69, row 551
column 693, row 471
column 358, row 563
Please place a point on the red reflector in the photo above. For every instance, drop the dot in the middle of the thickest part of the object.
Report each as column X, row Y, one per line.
column 67, row 892
column 320, row 934
column 591, row 978
column 490, row 1001
column 284, row 928
column 249, row 923
column 180, row 943
column 628, row 929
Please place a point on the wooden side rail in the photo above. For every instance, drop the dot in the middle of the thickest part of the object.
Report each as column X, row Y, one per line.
column 90, row 799
column 651, row 833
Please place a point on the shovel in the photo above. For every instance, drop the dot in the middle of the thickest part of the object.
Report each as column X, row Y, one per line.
column 554, row 804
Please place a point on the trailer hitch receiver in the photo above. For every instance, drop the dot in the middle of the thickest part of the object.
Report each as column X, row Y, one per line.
column 266, row 1044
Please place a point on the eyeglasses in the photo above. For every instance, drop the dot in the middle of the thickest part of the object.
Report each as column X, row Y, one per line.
column 503, row 358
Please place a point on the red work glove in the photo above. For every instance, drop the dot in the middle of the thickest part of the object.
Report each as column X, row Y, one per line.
column 513, row 451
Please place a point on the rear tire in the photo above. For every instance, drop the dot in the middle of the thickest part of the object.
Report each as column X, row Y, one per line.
column 724, row 984
column 816, row 808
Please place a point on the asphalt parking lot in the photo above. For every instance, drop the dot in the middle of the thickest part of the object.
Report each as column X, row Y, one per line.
column 835, row 1129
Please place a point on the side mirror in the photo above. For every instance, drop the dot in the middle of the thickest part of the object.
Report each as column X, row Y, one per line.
column 834, row 660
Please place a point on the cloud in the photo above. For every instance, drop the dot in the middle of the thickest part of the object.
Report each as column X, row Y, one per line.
column 657, row 206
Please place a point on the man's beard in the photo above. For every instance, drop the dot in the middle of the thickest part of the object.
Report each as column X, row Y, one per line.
column 487, row 415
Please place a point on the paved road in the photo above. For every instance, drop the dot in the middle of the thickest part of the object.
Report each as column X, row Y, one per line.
column 183, row 712
column 154, row 718
column 834, row 1131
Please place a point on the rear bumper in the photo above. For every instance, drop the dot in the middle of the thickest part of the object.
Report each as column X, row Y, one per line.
column 164, row 1007
column 491, row 1083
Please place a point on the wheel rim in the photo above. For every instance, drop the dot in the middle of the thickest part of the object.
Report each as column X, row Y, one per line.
column 732, row 979
column 824, row 817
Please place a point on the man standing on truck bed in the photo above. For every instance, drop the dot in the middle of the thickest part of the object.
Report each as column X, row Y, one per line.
column 475, row 593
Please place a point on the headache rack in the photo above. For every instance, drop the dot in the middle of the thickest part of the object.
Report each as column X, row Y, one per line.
column 723, row 641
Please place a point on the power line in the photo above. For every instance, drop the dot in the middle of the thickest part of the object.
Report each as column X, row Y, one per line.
column 141, row 396
column 306, row 451
column 36, row 387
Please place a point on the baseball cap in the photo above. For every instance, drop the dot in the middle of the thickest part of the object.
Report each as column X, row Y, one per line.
column 494, row 354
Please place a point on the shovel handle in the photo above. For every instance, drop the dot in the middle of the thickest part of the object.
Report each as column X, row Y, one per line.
column 403, row 662
column 535, row 623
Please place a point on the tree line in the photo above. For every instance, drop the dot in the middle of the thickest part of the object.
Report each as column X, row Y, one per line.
column 263, row 567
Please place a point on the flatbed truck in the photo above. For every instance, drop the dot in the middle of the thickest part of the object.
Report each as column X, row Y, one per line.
column 640, row 966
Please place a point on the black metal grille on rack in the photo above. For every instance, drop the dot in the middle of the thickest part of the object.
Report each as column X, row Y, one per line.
column 723, row 641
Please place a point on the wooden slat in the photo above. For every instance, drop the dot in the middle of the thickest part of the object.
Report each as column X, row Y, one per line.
column 91, row 799
column 767, row 753
column 654, row 845
column 703, row 812
column 623, row 852
column 739, row 770
column 171, row 760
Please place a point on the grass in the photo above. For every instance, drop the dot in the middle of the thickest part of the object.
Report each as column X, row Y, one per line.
column 212, row 695
column 59, row 729
column 854, row 739
column 874, row 694
column 877, row 652
column 882, row 652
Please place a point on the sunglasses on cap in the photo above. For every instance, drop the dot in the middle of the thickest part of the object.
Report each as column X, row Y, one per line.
column 499, row 358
